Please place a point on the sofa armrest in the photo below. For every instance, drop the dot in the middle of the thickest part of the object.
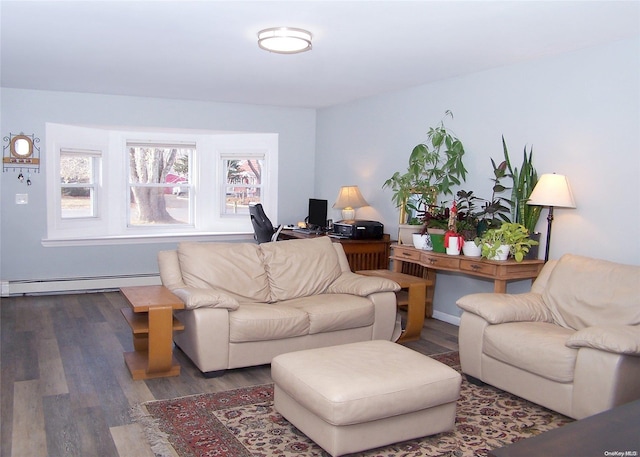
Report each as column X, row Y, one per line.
column 205, row 298
column 501, row 308
column 355, row 284
column 619, row 339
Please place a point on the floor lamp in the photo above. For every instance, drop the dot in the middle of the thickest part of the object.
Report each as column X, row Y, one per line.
column 552, row 190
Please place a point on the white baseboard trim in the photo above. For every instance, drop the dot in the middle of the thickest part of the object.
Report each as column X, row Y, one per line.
column 71, row 285
column 449, row 318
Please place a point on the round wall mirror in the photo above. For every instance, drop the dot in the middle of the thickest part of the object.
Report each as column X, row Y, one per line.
column 21, row 146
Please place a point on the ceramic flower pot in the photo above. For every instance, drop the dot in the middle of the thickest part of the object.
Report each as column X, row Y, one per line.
column 422, row 242
column 453, row 243
column 470, row 249
column 502, row 253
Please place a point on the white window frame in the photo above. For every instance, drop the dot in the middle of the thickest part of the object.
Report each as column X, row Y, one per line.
column 110, row 226
column 239, row 154
column 94, row 184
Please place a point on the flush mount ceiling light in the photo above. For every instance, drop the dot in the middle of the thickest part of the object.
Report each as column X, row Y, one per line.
column 284, row 40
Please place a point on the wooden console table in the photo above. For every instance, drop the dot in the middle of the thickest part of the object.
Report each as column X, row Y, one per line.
column 152, row 323
column 425, row 264
column 361, row 254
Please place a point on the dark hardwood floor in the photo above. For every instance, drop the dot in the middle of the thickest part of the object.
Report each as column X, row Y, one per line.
column 65, row 390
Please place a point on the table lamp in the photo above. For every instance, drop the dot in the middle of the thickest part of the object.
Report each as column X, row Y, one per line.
column 552, row 190
column 349, row 198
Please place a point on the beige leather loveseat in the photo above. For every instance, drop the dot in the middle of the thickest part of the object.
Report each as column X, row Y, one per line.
column 572, row 344
column 246, row 303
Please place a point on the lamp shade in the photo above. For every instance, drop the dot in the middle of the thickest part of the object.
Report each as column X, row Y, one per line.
column 348, row 199
column 552, row 190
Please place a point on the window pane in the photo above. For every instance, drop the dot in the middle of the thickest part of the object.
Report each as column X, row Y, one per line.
column 76, row 168
column 150, row 202
column 243, row 187
column 159, row 184
column 76, row 202
column 238, row 199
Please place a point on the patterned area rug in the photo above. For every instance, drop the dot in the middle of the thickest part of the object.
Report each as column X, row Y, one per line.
column 243, row 422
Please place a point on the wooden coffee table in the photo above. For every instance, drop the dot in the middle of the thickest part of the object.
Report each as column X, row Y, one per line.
column 416, row 301
column 152, row 323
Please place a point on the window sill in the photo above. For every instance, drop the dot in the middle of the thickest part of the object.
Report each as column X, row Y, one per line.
column 146, row 239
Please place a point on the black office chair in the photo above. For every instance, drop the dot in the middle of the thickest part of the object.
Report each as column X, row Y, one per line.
column 262, row 226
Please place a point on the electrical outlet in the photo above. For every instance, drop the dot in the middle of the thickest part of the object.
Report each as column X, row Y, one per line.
column 22, row 199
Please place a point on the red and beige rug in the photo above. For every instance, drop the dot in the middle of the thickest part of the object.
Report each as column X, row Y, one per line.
column 243, row 422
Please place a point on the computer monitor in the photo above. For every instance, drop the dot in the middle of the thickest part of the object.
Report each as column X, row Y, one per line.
column 317, row 219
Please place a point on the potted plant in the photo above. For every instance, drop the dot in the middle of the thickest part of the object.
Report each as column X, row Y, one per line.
column 452, row 238
column 509, row 238
column 467, row 224
column 524, row 180
column 435, row 222
column 434, row 167
column 495, row 211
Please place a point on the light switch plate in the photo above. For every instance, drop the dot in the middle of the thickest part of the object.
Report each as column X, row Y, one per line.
column 22, row 199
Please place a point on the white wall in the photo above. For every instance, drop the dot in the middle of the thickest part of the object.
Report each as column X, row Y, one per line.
column 580, row 111
column 23, row 226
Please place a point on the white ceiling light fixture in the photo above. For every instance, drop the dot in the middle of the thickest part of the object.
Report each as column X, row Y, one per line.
column 284, row 40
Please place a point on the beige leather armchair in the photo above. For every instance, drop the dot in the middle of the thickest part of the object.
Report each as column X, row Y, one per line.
column 572, row 344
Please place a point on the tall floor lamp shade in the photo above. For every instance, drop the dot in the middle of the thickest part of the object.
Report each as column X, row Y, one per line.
column 552, row 190
column 349, row 198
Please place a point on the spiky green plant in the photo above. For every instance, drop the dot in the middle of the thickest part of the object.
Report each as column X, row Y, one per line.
column 524, row 180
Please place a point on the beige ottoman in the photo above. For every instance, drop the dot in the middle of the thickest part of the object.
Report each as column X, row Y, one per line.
column 364, row 395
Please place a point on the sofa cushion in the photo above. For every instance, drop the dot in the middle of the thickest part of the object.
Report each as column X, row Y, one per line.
column 584, row 292
column 235, row 269
column 537, row 347
column 331, row 312
column 300, row 268
column 263, row 322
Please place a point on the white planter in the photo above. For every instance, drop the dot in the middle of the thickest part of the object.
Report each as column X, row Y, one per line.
column 470, row 249
column 422, row 242
column 502, row 253
column 454, row 246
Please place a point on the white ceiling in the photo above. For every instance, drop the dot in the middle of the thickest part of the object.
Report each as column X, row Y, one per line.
column 207, row 50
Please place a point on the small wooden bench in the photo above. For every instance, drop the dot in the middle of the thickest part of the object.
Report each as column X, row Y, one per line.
column 415, row 300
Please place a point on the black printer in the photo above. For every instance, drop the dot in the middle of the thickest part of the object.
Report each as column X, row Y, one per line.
column 359, row 230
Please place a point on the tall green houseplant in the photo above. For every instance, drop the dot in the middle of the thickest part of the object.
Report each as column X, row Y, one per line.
column 524, row 180
column 434, row 167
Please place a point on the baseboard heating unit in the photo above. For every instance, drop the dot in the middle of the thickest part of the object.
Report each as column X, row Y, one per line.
column 79, row 285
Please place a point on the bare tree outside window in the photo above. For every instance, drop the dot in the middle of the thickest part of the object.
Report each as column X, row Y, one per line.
column 154, row 174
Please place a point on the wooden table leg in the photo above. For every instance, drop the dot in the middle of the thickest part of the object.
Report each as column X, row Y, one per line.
column 499, row 286
column 160, row 339
column 415, row 312
column 430, row 276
